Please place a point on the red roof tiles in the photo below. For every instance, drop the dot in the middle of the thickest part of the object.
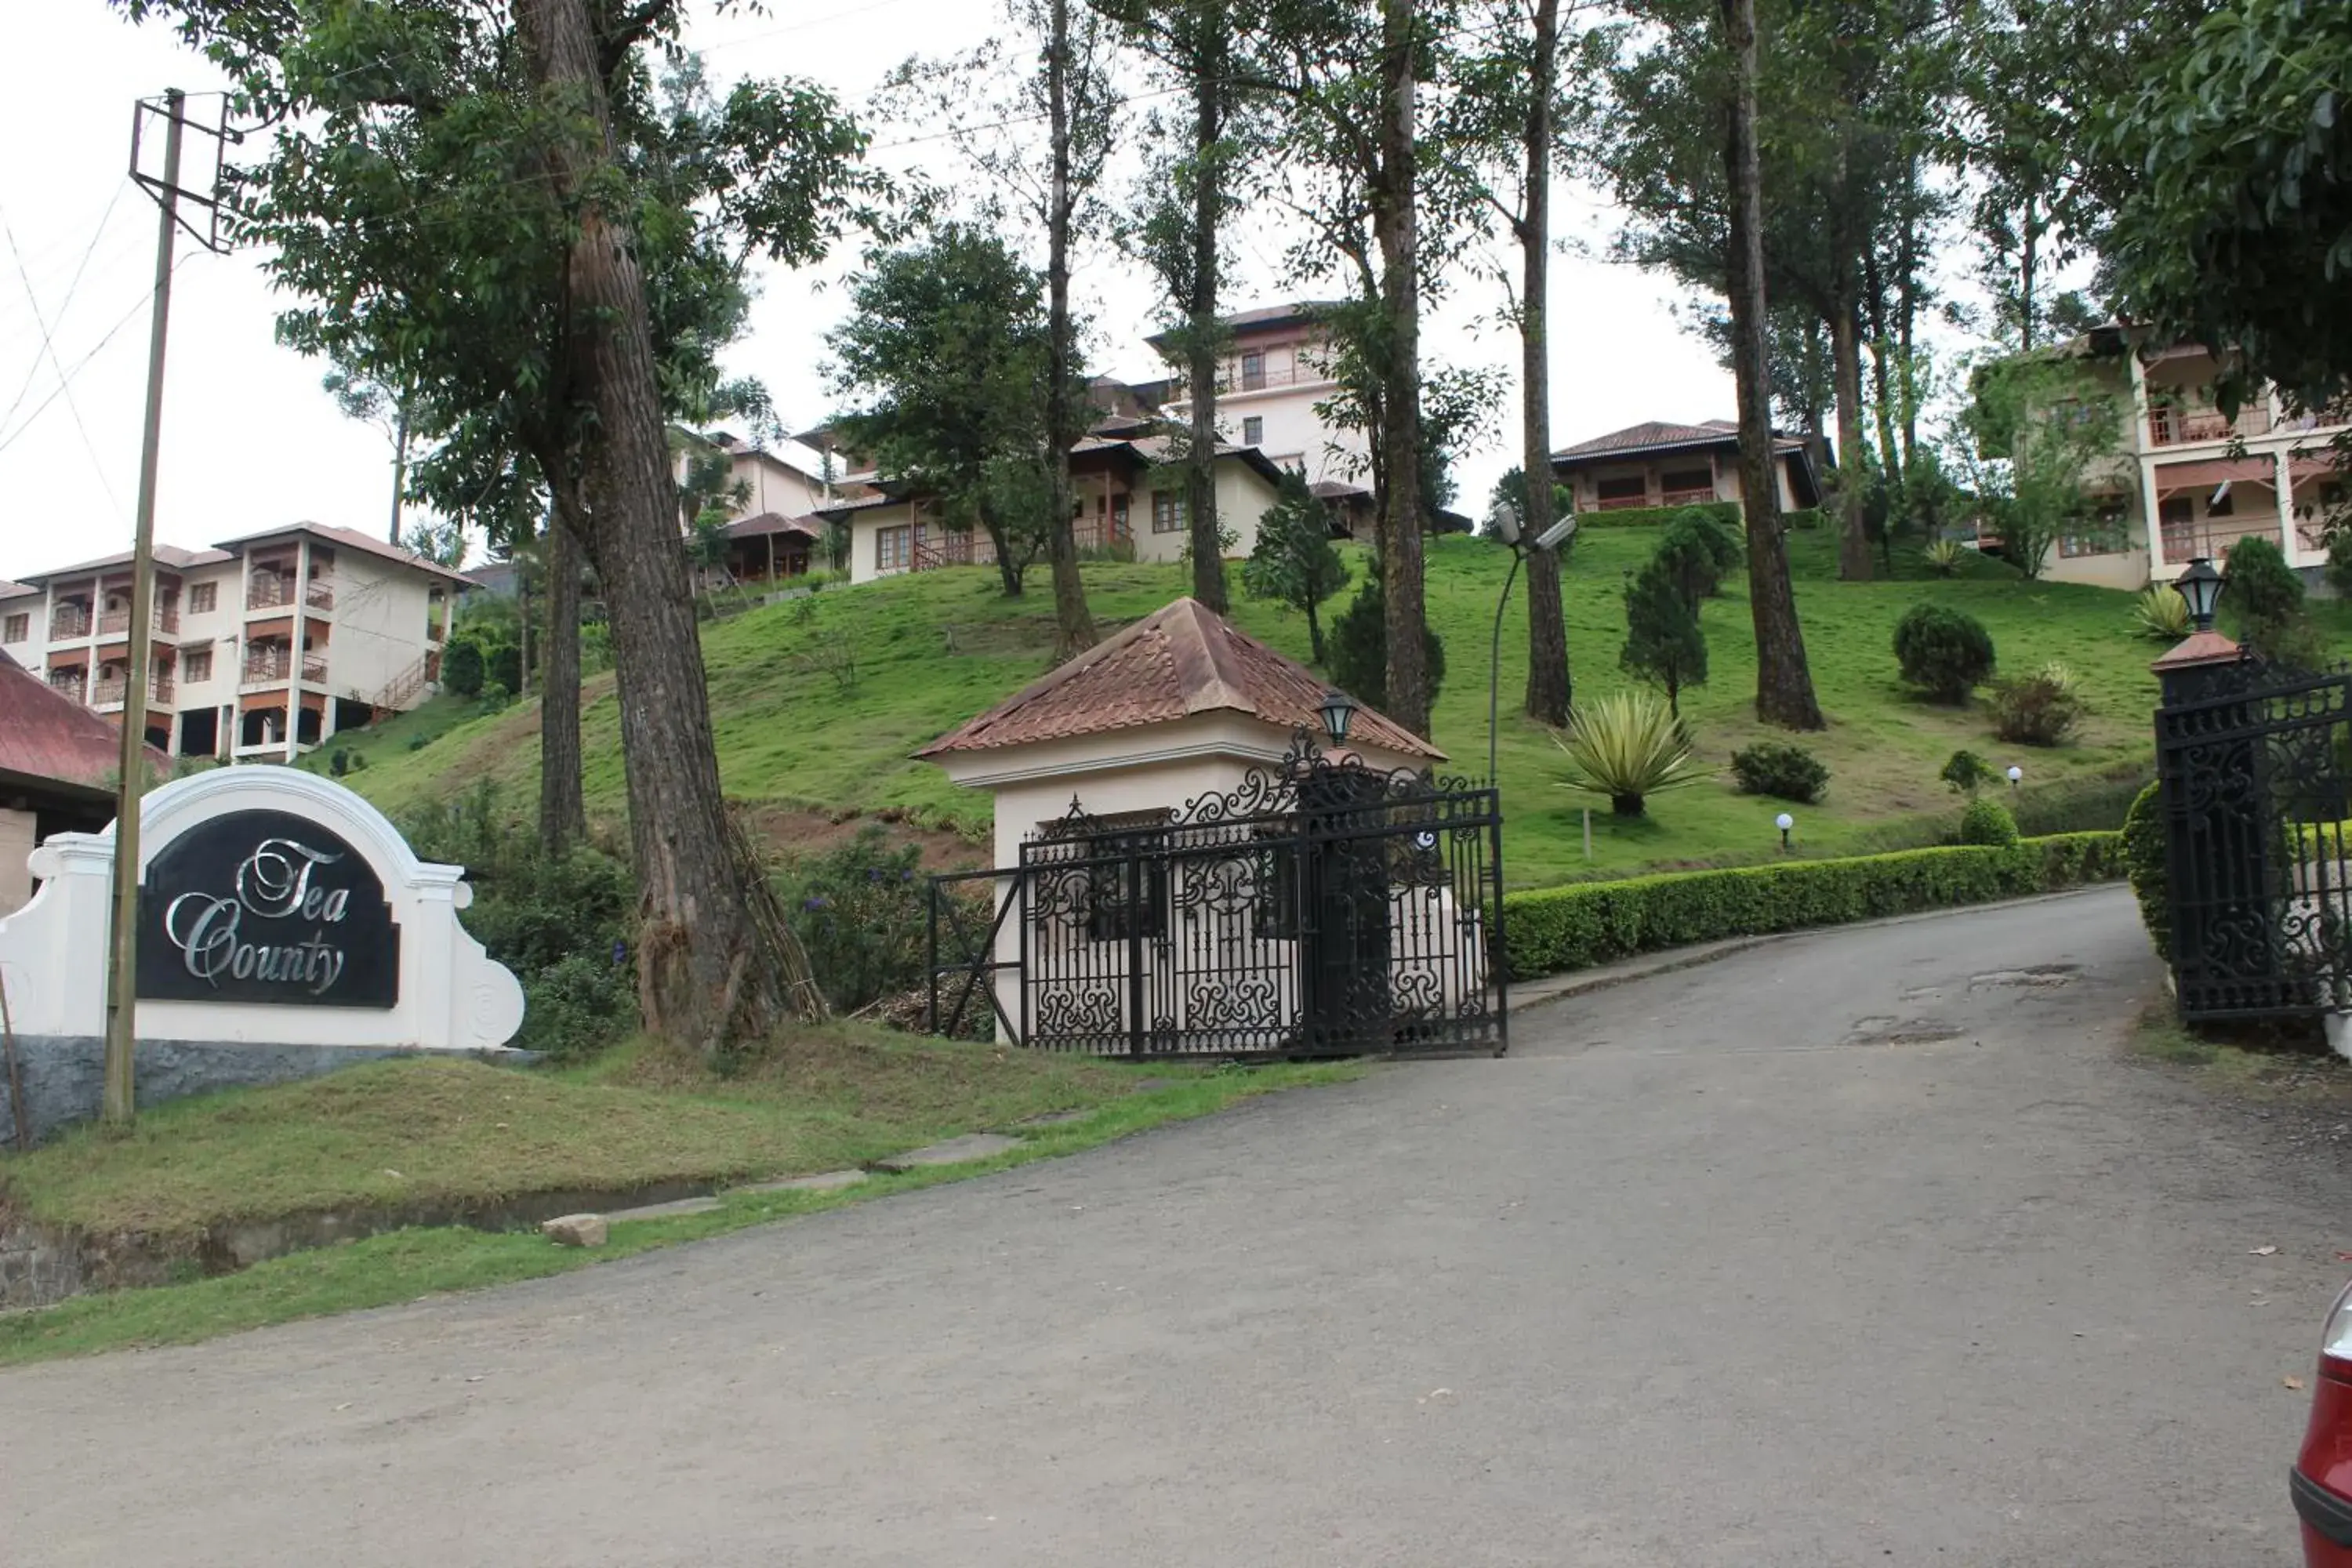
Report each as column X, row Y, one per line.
column 46, row 734
column 1180, row 661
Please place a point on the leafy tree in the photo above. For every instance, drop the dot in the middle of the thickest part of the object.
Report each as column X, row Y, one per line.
column 1694, row 553
column 1359, row 648
column 386, row 408
column 1294, row 562
column 463, row 667
column 442, row 542
column 1663, row 641
column 947, row 344
column 2263, row 596
column 2233, row 224
column 2038, row 435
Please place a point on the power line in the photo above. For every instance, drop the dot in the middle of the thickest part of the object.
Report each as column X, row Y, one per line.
column 111, row 333
column 49, row 347
column 67, row 304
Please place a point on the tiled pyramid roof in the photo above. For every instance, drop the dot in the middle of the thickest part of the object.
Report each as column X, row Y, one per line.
column 1182, row 660
column 46, row 734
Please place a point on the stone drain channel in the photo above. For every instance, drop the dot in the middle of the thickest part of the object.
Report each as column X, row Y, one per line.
column 41, row 1266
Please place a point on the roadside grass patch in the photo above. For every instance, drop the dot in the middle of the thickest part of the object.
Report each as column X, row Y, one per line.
column 865, row 1097
column 2253, row 1060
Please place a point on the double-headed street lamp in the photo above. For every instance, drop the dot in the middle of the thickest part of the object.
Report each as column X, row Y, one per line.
column 1507, row 524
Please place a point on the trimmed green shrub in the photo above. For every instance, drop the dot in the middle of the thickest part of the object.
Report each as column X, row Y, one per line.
column 463, row 667
column 1723, row 512
column 1559, row 929
column 1988, row 822
column 1967, row 772
column 1663, row 641
column 1944, row 652
column 1698, row 550
column 1780, row 768
column 2037, row 710
column 2077, row 805
column 1628, row 747
column 2151, row 881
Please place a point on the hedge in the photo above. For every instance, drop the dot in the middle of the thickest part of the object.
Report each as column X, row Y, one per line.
column 1659, row 516
column 1553, row 930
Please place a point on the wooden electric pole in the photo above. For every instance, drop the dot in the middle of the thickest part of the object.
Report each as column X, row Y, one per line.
column 122, row 967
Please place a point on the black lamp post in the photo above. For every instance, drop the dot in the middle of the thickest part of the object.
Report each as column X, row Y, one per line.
column 2200, row 585
column 1338, row 710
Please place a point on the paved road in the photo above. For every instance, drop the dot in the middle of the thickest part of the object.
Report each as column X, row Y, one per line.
column 1849, row 1250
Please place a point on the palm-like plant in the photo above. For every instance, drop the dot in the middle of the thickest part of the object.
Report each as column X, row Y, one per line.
column 1627, row 746
column 2162, row 614
column 1944, row 557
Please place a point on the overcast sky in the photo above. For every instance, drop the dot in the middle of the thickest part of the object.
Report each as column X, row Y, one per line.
column 251, row 442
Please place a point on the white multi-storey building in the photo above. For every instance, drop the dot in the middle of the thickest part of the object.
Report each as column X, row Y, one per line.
column 1276, row 371
column 263, row 646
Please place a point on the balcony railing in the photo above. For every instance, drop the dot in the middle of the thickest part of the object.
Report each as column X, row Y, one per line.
column 108, row 693
column 267, row 668
column 115, row 623
column 67, row 683
column 2173, row 425
column 314, row 669
column 1686, row 498
column 111, row 691
column 1260, row 380
column 269, row 593
column 1620, row 503
column 2185, row 542
column 68, row 621
column 321, row 595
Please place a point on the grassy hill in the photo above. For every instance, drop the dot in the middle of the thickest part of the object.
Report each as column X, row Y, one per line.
column 799, row 734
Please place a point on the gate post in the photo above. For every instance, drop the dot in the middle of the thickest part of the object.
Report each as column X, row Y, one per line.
column 2216, row 856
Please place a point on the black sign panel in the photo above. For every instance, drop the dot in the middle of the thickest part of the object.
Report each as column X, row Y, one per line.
column 266, row 906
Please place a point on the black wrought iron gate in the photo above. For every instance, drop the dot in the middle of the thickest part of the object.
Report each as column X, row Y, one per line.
column 2256, row 776
column 1323, row 908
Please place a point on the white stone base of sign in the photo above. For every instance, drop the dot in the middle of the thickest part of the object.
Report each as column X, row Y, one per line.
column 451, row 997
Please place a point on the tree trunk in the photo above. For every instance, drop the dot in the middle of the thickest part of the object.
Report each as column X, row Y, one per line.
column 1074, row 628
column 1853, row 527
column 1906, row 311
column 1882, row 350
column 1315, row 634
column 1208, row 203
column 2029, row 258
column 1784, row 685
column 711, row 968
column 1394, row 225
column 562, row 814
column 1550, row 684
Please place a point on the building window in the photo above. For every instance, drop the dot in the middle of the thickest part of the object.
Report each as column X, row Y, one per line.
column 1169, row 512
column 1252, row 371
column 197, row 666
column 1623, row 490
column 203, row 599
column 1681, row 485
column 1253, row 431
column 894, row 549
column 2099, row 531
column 18, row 628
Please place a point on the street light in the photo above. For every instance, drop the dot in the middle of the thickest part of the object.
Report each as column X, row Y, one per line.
column 1504, row 520
column 1784, row 822
column 2200, row 585
column 1338, row 710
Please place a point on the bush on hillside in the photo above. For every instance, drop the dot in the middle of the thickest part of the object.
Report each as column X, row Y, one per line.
column 861, row 912
column 2263, row 598
column 504, row 665
column 1967, row 773
column 2160, row 613
column 1780, row 768
column 562, row 925
column 2151, row 881
column 1944, row 652
column 1587, row 924
column 1988, row 822
column 1700, row 548
column 463, row 667
column 1627, row 746
column 1359, row 644
column 2037, row 710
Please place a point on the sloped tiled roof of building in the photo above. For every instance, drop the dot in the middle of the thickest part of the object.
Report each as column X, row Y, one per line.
column 45, row 735
column 1182, row 660
column 768, row 522
column 347, row 538
column 1658, row 435
column 15, row 590
column 170, row 556
column 1264, row 316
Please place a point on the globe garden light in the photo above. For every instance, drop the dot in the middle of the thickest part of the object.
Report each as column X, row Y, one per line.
column 2016, row 775
column 1784, row 822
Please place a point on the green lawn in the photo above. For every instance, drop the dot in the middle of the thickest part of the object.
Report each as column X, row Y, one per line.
column 417, row 1133
column 932, row 650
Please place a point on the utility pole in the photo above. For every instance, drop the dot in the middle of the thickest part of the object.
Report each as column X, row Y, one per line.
column 122, row 969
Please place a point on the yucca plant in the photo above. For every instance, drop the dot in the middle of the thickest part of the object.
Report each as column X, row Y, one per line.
column 1944, row 557
column 1627, row 746
column 2162, row 614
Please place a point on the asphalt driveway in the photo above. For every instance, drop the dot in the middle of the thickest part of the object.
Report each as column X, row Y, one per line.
column 1863, row 1248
